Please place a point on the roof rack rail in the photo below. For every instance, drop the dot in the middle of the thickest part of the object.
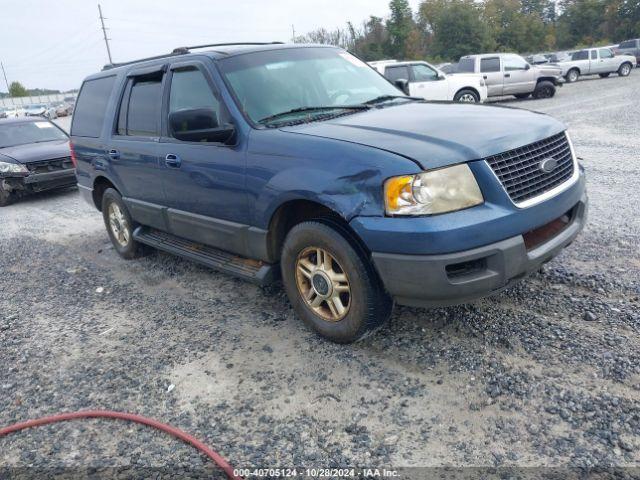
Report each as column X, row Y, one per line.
column 184, row 50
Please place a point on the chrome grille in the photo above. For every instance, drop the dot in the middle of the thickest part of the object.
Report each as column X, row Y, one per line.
column 520, row 172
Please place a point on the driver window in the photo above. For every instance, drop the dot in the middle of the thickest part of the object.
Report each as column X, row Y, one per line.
column 190, row 91
column 423, row 73
column 605, row 53
column 512, row 63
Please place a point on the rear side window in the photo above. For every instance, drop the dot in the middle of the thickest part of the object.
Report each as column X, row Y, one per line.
column 140, row 107
column 581, row 55
column 594, row 54
column 397, row 73
column 488, row 65
column 467, row 65
column 91, row 107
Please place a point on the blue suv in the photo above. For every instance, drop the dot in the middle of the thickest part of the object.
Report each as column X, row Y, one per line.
column 303, row 163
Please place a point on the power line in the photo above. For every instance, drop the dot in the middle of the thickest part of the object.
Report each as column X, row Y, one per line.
column 5, row 76
column 104, row 32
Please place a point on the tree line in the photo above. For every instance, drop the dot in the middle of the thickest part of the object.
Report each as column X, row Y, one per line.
column 443, row 30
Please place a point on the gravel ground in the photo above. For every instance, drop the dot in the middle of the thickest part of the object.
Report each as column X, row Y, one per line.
column 546, row 374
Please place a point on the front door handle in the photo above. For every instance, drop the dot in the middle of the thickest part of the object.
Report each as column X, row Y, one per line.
column 507, row 75
column 484, row 76
column 114, row 154
column 172, row 161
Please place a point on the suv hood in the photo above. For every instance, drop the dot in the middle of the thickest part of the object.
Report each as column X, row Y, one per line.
column 35, row 152
column 437, row 134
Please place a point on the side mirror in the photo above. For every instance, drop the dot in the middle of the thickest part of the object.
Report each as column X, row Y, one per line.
column 199, row 125
column 402, row 85
column 441, row 76
column 527, row 66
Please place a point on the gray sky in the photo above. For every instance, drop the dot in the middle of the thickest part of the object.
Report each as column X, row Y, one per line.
column 47, row 44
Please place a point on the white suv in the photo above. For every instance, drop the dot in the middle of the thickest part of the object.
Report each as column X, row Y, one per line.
column 428, row 82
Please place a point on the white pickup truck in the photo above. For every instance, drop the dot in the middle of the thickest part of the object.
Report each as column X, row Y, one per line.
column 596, row 61
column 426, row 81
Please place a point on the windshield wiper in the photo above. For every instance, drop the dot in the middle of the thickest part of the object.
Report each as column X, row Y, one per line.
column 386, row 98
column 311, row 110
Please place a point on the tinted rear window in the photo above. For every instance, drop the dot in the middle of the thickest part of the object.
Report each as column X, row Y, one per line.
column 397, row 73
column 91, row 107
column 628, row 44
column 466, row 65
column 144, row 108
column 581, row 55
column 490, row 64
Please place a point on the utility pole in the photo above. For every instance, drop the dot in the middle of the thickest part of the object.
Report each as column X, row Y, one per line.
column 5, row 76
column 104, row 32
column 293, row 30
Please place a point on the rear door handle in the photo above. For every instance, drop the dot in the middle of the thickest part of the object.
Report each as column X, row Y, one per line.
column 172, row 161
column 507, row 75
column 114, row 154
column 484, row 76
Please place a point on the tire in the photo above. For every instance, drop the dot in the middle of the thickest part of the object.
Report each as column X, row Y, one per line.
column 544, row 89
column 604, row 75
column 522, row 96
column 6, row 198
column 572, row 75
column 466, row 96
column 366, row 306
column 121, row 229
column 624, row 70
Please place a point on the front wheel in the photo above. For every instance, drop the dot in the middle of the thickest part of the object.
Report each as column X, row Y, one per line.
column 624, row 70
column 331, row 283
column 544, row 89
column 466, row 96
column 120, row 225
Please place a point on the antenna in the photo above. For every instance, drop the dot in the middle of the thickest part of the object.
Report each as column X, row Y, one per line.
column 104, row 32
column 5, row 77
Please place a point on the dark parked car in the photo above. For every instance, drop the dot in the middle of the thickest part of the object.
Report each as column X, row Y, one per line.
column 629, row 47
column 304, row 162
column 34, row 156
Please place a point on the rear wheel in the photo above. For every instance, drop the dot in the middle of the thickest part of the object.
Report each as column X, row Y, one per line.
column 5, row 197
column 331, row 284
column 573, row 75
column 466, row 96
column 604, row 75
column 544, row 89
column 624, row 70
column 120, row 225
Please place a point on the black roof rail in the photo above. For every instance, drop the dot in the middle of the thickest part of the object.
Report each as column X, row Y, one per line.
column 184, row 51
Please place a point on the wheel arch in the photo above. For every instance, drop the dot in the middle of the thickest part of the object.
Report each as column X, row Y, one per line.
column 100, row 185
column 296, row 211
column 470, row 88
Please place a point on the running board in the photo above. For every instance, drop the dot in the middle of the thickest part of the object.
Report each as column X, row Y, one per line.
column 254, row 271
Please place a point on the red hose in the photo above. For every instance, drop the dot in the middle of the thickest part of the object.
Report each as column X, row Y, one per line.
column 185, row 437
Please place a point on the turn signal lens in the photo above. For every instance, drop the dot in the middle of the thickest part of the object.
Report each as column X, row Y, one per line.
column 437, row 191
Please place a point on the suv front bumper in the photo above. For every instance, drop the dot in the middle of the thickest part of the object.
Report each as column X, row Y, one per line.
column 455, row 278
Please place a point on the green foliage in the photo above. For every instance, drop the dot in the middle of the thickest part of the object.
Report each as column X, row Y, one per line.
column 448, row 29
column 16, row 89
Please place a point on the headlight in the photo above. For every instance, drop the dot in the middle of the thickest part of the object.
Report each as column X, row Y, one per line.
column 6, row 167
column 438, row 191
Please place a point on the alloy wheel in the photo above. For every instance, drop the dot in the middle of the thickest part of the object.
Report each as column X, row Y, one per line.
column 119, row 225
column 467, row 98
column 323, row 284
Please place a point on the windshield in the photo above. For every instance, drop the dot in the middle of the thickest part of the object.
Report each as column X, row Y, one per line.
column 12, row 134
column 35, row 107
column 269, row 83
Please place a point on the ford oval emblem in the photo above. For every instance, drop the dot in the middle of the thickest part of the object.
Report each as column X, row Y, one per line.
column 548, row 165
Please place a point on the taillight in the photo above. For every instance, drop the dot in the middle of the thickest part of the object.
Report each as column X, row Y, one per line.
column 74, row 160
